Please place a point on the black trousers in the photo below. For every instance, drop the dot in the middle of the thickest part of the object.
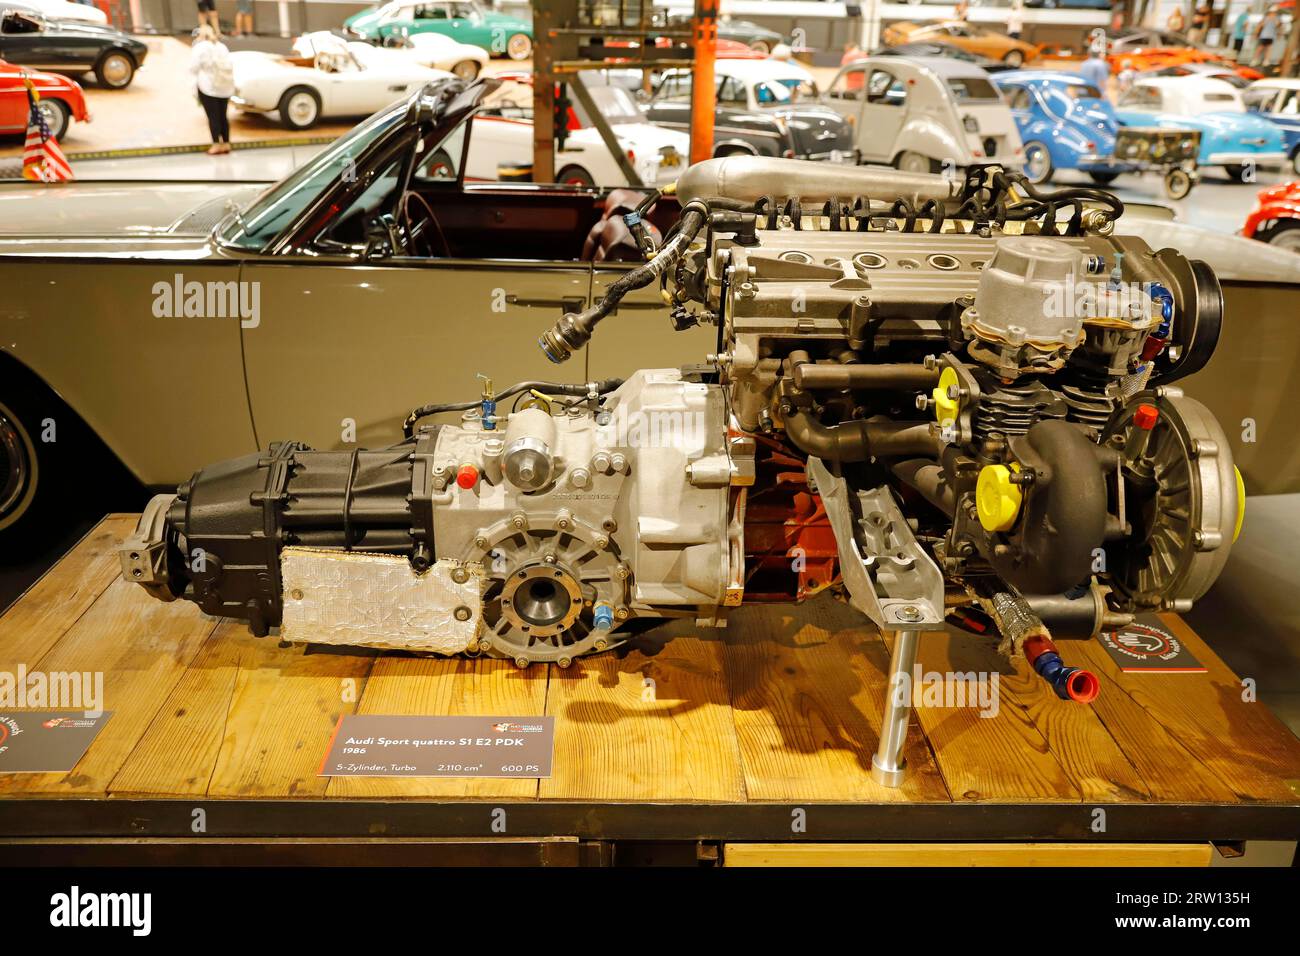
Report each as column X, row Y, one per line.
column 218, row 123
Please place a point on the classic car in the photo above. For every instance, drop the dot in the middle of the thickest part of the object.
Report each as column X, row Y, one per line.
column 927, row 114
column 1231, row 137
column 932, row 48
column 61, row 100
column 432, row 50
column 1064, row 122
column 373, row 279
column 1276, row 217
column 1070, row 4
column 336, row 81
column 1152, row 59
column 503, row 135
column 71, row 47
column 1218, row 71
column 58, row 10
column 757, row 38
column 1278, row 100
column 973, row 39
column 465, row 20
column 756, row 114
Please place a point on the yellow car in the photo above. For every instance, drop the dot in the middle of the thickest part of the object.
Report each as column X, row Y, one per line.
column 981, row 42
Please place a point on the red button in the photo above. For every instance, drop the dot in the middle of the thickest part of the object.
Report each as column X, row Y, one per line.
column 1146, row 417
column 467, row 476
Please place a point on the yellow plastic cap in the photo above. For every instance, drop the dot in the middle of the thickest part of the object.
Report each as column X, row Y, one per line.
column 1241, row 503
column 945, row 408
column 997, row 500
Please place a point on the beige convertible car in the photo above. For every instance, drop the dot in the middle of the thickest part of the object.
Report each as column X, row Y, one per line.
column 157, row 327
column 186, row 323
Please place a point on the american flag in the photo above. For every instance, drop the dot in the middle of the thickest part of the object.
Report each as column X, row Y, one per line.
column 43, row 161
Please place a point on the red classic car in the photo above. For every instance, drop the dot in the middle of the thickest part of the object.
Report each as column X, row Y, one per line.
column 1276, row 217
column 61, row 100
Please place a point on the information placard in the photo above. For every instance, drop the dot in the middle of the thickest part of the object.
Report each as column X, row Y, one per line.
column 381, row 745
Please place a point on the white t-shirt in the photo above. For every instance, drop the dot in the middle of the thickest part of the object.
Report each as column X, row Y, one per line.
column 210, row 64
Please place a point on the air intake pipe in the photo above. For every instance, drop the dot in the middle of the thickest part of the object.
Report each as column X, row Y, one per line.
column 750, row 178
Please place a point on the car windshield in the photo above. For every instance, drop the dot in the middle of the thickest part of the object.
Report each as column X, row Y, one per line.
column 268, row 215
column 616, row 104
column 1223, row 103
column 968, row 88
column 1082, row 91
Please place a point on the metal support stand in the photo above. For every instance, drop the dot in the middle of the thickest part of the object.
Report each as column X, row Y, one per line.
column 888, row 765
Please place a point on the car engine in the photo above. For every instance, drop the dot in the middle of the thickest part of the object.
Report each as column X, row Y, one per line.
column 938, row 399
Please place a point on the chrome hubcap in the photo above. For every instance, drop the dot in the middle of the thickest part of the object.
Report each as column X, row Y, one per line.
column 53, row 118
column 1288, row 240
column 302, row 108
column 519, row 46
column 466, row 70
column 1036, row 162
column 116, row 69
column 15, row 467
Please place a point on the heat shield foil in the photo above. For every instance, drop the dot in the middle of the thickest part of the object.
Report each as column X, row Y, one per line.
column 377, row 600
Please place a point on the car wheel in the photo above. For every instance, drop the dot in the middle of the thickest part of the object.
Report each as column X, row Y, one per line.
column 20, row 468
column 1237, row 173
column 1285, row 235
column 910, row 162
column 1104, row 179
column 575, row 176
column 56, row 114
column 761, row 46
column 1038, row 162
column 519, row 46
column 1178, row 183
column 1014, row 59
column 466, row 69
column 299, row 108
column 115, row 70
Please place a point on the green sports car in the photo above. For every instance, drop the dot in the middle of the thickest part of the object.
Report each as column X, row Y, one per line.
column 465, row 20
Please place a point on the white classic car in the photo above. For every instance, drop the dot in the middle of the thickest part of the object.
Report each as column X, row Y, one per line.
column 60, row 10
column 503, row 135
column 333, row 83
column 432, row 50
column 925, row 114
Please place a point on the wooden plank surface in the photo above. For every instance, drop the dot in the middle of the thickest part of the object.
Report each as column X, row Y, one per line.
column 967, row 854
column 784, row 705
column 142, row 647
column 638, row 726
column 807, row 693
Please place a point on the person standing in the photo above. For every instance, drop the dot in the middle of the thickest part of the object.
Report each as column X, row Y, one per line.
column 1265, row 34
column 1239, row 27
column 961, row 11
column 243, row 18
column 1200, row 23
column 1016, row 19
column 215, row 76
column 1176, row 22
column 208, row 14
column 1096, row 71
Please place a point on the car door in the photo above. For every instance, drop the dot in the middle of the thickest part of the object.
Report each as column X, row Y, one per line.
column 846, row 96
column 344, row 349
column 884, row 108
column 13, row 98
column 671, row 105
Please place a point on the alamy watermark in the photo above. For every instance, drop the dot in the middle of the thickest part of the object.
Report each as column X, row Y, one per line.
column 181, row 299
column 54, row 690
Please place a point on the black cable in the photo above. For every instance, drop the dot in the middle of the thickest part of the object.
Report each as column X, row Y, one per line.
column 556, row 388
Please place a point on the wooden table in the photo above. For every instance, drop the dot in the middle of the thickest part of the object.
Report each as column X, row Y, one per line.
column 750, row 743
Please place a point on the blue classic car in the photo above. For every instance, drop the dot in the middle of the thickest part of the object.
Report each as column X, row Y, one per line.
column 1231, row 137
column 1278, row 100
column 1064, row 121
